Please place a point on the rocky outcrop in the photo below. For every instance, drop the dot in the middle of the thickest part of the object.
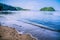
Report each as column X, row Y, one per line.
column 8, row 33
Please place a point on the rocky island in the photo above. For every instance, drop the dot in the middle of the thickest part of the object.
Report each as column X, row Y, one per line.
column 8, row 33
column 47, row 9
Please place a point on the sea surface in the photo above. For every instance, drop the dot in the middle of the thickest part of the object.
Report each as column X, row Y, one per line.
column 46, row 18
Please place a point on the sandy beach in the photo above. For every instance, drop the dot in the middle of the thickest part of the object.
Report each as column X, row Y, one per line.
column 45, row 34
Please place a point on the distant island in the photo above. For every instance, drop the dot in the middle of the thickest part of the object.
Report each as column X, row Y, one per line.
column 4, row 7
column 47, row 9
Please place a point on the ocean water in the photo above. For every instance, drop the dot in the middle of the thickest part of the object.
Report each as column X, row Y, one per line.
column 50, row 19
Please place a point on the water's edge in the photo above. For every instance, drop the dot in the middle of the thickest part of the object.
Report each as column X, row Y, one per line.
column 40, row 25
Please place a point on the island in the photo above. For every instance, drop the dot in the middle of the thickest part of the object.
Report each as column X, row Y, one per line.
column 5, row 7
column 47, row 9
column 19, row 8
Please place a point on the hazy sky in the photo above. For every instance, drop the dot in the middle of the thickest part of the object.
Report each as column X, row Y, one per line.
column 33, row 4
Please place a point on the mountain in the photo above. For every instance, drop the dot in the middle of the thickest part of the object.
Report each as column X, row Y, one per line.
column 8, row 7
column 47, row 9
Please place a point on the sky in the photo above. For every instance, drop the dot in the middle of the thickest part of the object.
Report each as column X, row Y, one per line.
column 33, row 4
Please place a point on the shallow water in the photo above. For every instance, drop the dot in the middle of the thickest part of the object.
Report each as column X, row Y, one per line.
column 50, row 19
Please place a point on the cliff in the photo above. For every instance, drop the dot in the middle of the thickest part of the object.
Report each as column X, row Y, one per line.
column 8, row 33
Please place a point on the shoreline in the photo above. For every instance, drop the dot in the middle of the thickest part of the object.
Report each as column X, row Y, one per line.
column 28, row 34
column 24, row 24
column 39, row 25
column 24, row 36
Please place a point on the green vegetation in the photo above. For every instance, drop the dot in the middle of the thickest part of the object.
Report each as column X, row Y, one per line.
column 4, row 7
column 18, row 8
column 47, row 9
